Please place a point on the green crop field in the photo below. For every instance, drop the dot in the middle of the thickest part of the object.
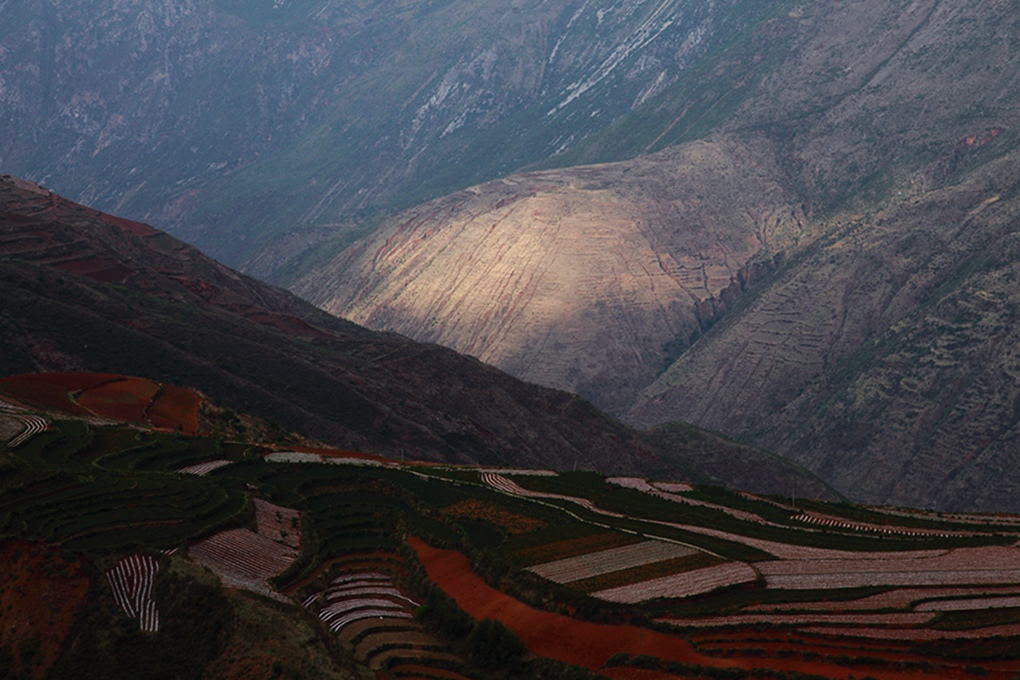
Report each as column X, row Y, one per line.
column 606, row 551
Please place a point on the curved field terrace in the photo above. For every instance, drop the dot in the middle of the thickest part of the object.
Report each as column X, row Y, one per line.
column 365, row 608
column 592, row 645
column 110, row 396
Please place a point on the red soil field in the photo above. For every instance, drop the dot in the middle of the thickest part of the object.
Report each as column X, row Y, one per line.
column 136, row 228
column 122, row 399
column 175, row 407
column 108, row 395
column 590, row 645
column 98, row 268
column 545, row 634
column 635, row 674
column 53, row 390
column 40, row 597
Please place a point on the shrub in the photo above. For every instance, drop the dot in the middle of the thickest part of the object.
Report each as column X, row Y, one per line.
column 490, row 644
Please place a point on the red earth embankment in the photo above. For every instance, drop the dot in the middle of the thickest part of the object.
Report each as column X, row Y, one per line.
column 545, row 634
column 40, row 597
column 590, row 645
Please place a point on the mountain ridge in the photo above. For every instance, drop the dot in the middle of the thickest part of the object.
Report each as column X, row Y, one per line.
column 871, row 120
column 299, row 134
column 89, row 292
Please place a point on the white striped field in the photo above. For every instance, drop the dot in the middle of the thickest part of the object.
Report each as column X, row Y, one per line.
column 381, row 614
column 131, row 580
column 301, row 457
column 202, row 469
column 244, row 559
column 33, row 425
column 358, row 596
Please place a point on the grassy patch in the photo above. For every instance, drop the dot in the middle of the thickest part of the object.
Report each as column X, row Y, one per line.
column 977, row 618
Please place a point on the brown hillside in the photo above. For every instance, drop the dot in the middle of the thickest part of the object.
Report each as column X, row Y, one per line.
column 178, row 317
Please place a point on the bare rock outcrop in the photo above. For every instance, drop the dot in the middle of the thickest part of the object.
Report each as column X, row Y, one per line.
column 886, row 360
column 590, row 279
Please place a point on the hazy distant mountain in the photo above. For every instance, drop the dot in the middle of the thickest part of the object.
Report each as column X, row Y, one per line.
column 227, row 122
column 847, row 216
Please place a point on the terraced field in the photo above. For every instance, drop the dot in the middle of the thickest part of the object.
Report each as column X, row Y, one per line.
column 579, row 567
column 360, row 600
column 103, row 487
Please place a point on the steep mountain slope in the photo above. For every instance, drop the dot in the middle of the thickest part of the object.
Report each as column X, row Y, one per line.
column 590, row 280
column 227, row 122
column 86, row 291
column 876, row 127
column 885, row 359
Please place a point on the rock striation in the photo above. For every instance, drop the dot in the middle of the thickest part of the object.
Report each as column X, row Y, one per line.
column 818, row 262
column 590, row 279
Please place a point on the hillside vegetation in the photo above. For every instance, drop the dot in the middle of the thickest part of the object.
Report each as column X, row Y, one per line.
column 253, row 559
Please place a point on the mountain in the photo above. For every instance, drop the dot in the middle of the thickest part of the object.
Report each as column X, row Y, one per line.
column 589, row 279
column 884, row 359
column 814, row 259
column 229, row 122
column 87, row 291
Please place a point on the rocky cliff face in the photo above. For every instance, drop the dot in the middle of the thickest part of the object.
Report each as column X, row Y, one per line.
column 871, row 144
column 590, row 279
column 229, row 122
column 885, row 360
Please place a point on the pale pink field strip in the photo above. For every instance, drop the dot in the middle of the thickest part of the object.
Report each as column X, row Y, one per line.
column 989, row 557
column 278, row 523
column 1010, row 630
column 895, row 619
column 608, row 561
column 681, row 585
column 829, row 581
column 960, row 567
column 243, row 556
column 901, row 598
column 964, row 605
